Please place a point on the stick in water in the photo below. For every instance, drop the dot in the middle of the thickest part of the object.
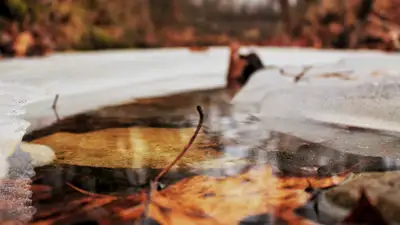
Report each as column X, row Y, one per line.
column 153, row 184
column 196, row 132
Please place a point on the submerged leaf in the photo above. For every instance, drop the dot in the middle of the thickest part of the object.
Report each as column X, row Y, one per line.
column 210, row 200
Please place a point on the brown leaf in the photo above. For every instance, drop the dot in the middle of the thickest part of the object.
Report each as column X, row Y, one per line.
column 210, row 200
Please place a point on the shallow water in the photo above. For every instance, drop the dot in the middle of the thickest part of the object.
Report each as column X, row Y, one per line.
column 118, row 150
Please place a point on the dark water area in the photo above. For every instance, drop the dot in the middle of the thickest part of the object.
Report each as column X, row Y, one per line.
column 115, row 181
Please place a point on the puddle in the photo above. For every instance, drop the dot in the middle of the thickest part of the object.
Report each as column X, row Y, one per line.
column 116, row 151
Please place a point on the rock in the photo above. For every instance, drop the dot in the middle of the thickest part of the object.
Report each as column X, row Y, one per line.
column 41, row 155
column 12, row 129
column 381, row 188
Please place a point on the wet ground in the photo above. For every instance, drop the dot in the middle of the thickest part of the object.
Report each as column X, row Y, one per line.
column 52, row 185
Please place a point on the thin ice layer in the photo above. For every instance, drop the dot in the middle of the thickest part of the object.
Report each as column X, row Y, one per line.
column 23, row 94
column 326, row 99
column 361, row 98
column 361, row 142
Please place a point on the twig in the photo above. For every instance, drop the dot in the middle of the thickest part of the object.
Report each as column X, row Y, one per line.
column 196, row 132
column 300, row 75
column 86, row 192
column 54, row 107
column 154, row 183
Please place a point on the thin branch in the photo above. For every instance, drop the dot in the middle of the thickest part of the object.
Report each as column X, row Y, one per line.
column 87, row 192
column 54, row 107
column 153, row 184
column 301, row 75
column 196, row 132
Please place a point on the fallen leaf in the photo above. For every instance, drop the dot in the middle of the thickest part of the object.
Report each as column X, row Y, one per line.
column 210, row 200
column 250, row 197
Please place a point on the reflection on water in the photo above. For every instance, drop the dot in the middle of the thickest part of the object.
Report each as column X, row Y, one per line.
column 135, row 147
column 119, row 150
column 115, row 181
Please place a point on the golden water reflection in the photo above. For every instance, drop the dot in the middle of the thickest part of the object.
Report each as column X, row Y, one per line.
column 135, row 147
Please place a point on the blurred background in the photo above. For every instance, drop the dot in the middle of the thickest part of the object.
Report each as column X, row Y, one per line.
column 38, row 27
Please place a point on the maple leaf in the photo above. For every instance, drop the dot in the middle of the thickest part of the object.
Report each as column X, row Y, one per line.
column 364, row 213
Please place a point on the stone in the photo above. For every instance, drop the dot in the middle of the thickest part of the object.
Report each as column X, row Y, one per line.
column 381, row 189
column 41, row 154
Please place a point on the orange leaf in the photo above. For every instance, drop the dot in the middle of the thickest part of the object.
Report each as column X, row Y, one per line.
column 210, row 200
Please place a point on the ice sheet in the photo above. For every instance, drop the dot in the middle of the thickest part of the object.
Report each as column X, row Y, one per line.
column 353, row 93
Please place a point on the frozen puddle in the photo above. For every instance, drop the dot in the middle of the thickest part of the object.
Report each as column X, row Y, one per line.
column 365, row 96
column 87, row 81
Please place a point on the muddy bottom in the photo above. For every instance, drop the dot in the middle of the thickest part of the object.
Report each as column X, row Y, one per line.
column 56, row 185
